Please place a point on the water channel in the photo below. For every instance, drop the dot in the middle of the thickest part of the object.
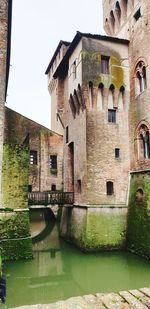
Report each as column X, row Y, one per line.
column 59, row 271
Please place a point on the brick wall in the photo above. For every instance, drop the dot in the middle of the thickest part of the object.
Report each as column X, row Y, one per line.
column 3, row 60
column 20, row 130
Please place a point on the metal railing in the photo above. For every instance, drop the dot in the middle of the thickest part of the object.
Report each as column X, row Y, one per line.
column 50, row 198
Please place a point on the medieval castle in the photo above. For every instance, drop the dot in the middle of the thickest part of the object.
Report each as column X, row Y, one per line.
column 99, row 87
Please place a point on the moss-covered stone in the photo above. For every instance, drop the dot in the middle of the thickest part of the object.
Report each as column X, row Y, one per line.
column 138, row 232
column 15, row 240
column 15, row 176
column 106, row 229
column 95, row 229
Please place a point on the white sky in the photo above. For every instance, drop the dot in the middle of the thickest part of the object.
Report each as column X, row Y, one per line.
column 37, row 28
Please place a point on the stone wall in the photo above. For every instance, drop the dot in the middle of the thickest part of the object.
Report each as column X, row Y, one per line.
column 15, row 240
column 138, row 231
column 94, row 229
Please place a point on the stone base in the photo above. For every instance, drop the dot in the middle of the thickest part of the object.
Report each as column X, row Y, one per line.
column 15, row 239
column 94, row 228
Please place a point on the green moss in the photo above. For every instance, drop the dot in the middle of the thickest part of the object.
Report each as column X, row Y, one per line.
column 15, row 176
column 116, row 72
column 96, row 229
column 15, row 240
column 91, row 63
column 105, row 231
column 138, row 233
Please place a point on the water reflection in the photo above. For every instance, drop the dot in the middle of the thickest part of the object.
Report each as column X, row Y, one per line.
column 59, row 271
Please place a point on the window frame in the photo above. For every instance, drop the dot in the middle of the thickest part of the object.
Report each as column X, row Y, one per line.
column 105, row 64
column 109, row 188
column 111, row 115
column 33, row 159
column 53, row 162
column 117, row 153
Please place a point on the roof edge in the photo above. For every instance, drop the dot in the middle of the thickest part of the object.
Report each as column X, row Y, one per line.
column 55, row 53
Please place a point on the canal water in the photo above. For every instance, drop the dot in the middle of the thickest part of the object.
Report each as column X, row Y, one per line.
column 59, row 271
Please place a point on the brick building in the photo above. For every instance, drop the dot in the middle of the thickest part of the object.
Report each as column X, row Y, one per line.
column 32, row 159
column 99, row 89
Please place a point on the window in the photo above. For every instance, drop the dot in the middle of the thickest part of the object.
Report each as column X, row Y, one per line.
column 53, row 187
column 117, row 153
column 144, row 142
column 110, row 188
column 112, row 115
column 137, row 15
column 141, row 77
column 53, row 162
column 33, row 157
column 104, row 65
column 67, row 136
column 29, row 188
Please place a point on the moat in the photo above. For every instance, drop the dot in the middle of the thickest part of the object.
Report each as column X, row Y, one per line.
column 59, row 271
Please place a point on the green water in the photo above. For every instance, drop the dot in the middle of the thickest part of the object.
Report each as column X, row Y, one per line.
column 59, row 271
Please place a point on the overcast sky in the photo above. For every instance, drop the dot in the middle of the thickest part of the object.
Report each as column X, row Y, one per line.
column 37, row 28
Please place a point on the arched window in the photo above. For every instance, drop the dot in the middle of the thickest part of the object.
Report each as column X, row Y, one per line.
column 140, row 77
column 144, row 142
column 109, row 188
column 111, row 96
column 118, row 11
column 121, row 98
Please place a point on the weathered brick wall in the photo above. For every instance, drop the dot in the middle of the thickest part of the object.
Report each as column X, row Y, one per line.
column 20, row 130
column 103, row 137
column 3, row 59
column 139, row 104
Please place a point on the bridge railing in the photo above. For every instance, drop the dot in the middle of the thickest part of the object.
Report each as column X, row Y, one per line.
column 50, row 198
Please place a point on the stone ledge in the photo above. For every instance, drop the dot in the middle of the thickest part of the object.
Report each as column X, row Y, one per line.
column 132, row 299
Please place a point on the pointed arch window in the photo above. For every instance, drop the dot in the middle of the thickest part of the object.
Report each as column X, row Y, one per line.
column 144, row 142
column 141, row 83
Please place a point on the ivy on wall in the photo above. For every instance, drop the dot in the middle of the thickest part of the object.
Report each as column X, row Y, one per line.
column 15, row 240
